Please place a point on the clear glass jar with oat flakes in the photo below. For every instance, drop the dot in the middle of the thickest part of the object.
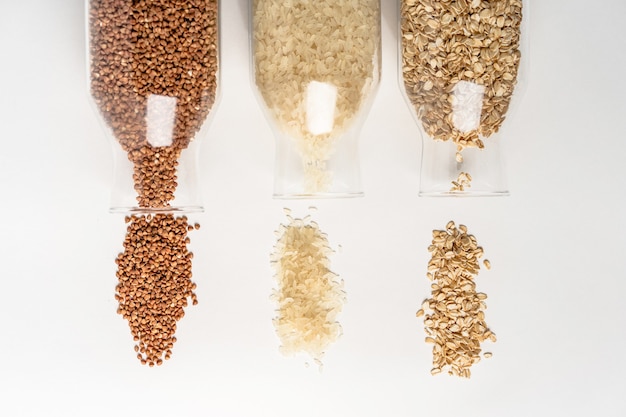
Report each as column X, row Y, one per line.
column 461, row 64
column 153, row 71
column 316, row 68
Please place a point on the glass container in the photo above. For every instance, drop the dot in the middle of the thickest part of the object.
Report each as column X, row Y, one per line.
column 153, row 71
column 316, row 69
column 460, row 64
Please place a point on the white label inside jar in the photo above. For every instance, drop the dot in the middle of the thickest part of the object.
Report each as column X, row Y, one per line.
column 467, row 105
column 160, row 119
column 321, row 99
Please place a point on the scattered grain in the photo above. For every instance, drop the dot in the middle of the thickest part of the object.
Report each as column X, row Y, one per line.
column 463, row 181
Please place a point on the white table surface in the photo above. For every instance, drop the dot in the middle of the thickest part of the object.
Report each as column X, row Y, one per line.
column 556, row 288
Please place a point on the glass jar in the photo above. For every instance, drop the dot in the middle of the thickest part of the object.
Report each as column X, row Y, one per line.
column 153, row 71
column 316, row 68
column 460, row 64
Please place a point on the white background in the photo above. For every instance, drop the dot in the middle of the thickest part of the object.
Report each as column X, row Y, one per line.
column 556, row 288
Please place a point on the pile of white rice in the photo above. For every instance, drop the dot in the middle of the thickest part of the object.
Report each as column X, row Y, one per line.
column 308, row 294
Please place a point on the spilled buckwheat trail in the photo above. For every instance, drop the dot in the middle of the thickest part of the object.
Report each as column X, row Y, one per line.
column 153, row 71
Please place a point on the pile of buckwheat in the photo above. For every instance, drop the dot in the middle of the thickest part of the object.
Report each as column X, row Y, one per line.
column 460, row 63
column 454, row 317
column 154, row 274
